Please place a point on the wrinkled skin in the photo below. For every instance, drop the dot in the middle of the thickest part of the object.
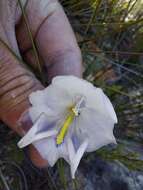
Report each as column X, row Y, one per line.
column 57, row 48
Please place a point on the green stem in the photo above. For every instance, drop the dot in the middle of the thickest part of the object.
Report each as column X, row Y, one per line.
column 75, row 184
column 62, row 174
column 32, row 41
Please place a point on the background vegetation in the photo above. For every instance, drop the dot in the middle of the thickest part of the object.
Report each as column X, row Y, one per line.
column 110, row 34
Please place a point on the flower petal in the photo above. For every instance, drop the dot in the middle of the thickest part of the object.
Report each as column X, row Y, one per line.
column 94, row 97
column 48, row 150
column 71, row 81
column 37, row 132
column 58, row 99
column 106, row 104
column 63, row 151
column 96, row 127
column 72, row 84
column 37, row 98
column 76, row 160
column 71, row 149
column 51, row 97
column 35, row 111
column 98, row 101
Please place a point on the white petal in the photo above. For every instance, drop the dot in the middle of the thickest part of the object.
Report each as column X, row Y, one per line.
column 63, row 151
column 48, row 150
column 37, row 98
column 51, row 97
column 70, row 81
column 51, row 151
column 99, row 101
column 96, row 127
column 44, row 135
column 27, row 139
column 95, row 98
column 107, row 104
column 76, row 160
column 71, row 149
column 35, row 111
column 38, row 131
column 73, row 85
column 58, row 99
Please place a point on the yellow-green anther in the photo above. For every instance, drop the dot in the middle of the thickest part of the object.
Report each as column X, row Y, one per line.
column 64, row 129
column 74, row 110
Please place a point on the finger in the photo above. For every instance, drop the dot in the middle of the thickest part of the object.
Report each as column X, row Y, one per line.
column 57, row 45
column 36, row 157
column 16, row 81
column 30, row 58
column 54, row 37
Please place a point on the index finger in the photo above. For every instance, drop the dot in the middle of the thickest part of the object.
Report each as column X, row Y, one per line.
column 54, row 37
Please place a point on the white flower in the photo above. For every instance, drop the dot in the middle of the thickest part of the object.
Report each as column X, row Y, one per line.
column 69, row 117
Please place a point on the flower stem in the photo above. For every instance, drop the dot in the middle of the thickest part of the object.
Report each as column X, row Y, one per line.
column 75, row 184
column 61, row 170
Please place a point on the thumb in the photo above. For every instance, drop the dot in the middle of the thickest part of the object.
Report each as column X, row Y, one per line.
column 16, row 83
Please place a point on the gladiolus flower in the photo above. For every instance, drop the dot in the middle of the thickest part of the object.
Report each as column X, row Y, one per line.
column 69, row 117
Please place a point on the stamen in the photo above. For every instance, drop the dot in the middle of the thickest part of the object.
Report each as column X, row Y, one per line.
column 64, row 129
column 80, row 104
column 74, row 112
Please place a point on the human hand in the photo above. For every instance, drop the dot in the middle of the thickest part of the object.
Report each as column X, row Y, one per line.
column 56, row 46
